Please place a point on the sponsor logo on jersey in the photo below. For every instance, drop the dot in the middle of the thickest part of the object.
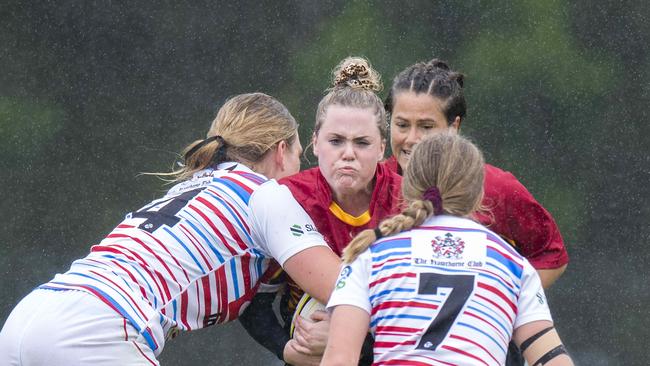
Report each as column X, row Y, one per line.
column 296, row 230
column 448, row 247
column 345, row 273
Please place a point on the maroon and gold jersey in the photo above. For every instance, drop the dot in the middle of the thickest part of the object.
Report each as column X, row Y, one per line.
column 314, row 194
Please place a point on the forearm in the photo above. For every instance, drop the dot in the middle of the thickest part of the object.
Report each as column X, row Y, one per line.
column 348, row 329
column 540, row 344
column 549, row 276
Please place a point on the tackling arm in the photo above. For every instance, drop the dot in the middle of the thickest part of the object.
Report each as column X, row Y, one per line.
column 541, row 345
column 315, row 270
column 549, row 276
column 348, row 329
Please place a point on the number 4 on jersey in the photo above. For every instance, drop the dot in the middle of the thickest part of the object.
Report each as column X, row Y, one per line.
column 461, row 286
column 165, row 215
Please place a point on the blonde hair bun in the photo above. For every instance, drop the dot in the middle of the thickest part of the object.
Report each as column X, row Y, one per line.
column 356, row 72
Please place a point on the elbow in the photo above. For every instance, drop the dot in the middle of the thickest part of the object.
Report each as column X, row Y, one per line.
column 549, row 276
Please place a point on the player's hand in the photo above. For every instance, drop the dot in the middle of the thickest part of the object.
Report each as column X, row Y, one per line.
column 293, row 356
column 311, row 334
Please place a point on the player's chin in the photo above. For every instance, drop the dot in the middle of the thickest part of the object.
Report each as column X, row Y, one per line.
column 345, row 183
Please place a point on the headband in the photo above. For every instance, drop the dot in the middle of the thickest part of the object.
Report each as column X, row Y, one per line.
column 219, row 154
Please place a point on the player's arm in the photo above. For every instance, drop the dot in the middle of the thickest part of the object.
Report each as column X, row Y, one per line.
column 282, row 228
column 351, row 313
column 348, row 329
column 311, row 337
column 549, row 276
column 315, row 270
column 535, row 232
column 541, row 345
column 534, row 333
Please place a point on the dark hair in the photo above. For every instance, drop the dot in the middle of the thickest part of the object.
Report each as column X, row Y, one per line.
column 436, row 79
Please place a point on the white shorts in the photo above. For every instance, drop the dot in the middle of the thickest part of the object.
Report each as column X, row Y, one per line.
column 70, row 328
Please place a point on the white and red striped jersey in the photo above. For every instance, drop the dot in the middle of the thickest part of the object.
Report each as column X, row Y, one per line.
column 196, row 256
column 449, row 292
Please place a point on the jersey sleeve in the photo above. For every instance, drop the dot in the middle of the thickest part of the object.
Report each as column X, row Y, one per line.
column 522, row 219
column 532, row 305
column 279, row 225
column 352, row 285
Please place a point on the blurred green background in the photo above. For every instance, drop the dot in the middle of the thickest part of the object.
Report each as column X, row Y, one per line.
column 94, row 92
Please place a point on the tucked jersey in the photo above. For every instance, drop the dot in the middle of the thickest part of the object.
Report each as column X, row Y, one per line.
column 449, row 292
column 514, row 214
column 196, row 256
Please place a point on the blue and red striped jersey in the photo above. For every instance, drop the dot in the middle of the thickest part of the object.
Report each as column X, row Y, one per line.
column 449, row 292
column 196, row 256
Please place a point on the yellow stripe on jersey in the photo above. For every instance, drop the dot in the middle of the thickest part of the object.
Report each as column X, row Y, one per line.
column 511, row 241
column 360, row 220
column 276, row 275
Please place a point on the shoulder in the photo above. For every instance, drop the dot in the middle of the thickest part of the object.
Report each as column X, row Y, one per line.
column 500, row 177
column 270, row 191
column 308, row 186
column 502, row 183
column 238, row 177
column 306, row 177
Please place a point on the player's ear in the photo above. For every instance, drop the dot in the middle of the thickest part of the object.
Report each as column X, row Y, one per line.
column 455, row 126
column 314, row 144
column 280, row 152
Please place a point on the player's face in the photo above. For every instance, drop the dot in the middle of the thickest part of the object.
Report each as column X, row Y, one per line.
column 415, row 116
column 348, row 147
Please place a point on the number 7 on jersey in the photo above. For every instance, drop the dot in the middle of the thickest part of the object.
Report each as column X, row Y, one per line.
column 462, row 286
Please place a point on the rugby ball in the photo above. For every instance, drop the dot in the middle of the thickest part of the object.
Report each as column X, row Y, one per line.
column 306, row 306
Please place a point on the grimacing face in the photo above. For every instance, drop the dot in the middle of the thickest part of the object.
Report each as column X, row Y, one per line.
column 413, row 117
column 348, row 146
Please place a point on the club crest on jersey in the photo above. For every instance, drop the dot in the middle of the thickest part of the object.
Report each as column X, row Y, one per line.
column 448, row 247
